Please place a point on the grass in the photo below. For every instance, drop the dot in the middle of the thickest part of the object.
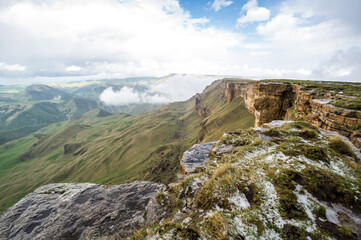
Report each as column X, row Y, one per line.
column 339, row 146
column 145, row 147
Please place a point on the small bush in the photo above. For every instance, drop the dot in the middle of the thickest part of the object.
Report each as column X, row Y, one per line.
column 339, row 146
column 273, row 132
column 299, row 125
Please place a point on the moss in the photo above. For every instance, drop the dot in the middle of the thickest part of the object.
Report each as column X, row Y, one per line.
column 227, row 140
column 178, row 231
column 339, row 146
column 301, row 125
column 241, row 142
column 290, row 232
column 316, row 153
column 223, row 182
column 320, row 212
column 346, row 231
column 308, row 134
column 349, row 103
column 216, row 226
column 329, row 187
column 289, row 208
column 273, row 132
column 335, row 231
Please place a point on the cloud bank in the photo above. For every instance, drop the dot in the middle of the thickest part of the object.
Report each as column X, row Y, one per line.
column 170, row 89
column 98, row 39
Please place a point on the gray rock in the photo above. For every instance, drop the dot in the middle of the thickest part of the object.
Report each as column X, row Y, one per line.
column 223, row 149
column 196, row 156
column 82, row 211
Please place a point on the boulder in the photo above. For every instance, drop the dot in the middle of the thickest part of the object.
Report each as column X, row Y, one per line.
column 82, row 211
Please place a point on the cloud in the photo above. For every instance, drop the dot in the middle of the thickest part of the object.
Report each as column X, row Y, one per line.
column 14, row 67
column 175, row 87
column 254, row 13
column 116, row 39
column 103, row 37
column 73, row 68
column 219, row 4
column 343, row 64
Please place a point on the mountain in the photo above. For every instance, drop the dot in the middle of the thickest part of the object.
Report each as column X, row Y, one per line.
column 39, row 92
column 35, row 107
column 294, row 175
column 117, row 148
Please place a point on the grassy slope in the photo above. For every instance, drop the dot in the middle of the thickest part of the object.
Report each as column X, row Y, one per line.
column 119, row 148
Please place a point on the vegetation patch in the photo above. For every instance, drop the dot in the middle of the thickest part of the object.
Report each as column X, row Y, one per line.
column 291, row 232
column 353, row 103
column 289, row 208
column 316, row 153
column 329, row 187
column 341, row 147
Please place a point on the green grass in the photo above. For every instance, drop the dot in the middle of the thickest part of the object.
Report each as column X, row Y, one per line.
column 142, row 147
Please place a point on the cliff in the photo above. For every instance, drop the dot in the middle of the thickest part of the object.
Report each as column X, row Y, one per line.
column 284, row 101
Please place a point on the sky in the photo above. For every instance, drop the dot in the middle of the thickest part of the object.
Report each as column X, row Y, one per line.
column 63, row 40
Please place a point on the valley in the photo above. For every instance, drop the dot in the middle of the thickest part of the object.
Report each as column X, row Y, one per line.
column 117, row 148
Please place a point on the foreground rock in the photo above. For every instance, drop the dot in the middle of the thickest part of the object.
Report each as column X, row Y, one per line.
column 196, row 156
column 82, row 211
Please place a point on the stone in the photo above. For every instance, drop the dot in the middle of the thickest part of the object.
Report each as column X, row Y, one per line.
column 82, row 211
column 196, row 156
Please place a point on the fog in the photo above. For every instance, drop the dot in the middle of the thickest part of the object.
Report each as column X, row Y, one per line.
column 169, row 89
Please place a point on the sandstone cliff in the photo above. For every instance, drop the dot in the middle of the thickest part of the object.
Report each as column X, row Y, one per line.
column 277, row 101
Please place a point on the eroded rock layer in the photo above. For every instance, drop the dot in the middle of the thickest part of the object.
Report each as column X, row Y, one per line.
column 270, row 101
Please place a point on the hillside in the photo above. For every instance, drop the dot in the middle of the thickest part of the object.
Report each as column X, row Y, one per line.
column 117, row 148
column 25, row 111
column 40, row 92
column 291, row 181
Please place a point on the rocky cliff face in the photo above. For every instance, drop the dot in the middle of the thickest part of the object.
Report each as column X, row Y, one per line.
column 82, row 211
column 277, row 101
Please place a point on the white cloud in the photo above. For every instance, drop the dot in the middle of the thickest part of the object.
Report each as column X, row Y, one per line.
column 253, row 13
column 175, row 87
column 73, row 68
column 14, row 67
column 115, row 39
column 343, row 64
column 219, row 4
column 120, row 33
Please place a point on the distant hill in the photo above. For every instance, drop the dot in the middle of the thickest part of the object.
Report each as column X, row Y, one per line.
column 39, row 92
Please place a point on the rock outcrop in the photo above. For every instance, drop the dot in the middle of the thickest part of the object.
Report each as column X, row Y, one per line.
column 82, row 211
column 270, row 101
column 196, row 156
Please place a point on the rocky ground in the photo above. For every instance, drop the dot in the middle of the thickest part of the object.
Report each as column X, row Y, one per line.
column 287, row 181
column 82, row 211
